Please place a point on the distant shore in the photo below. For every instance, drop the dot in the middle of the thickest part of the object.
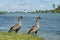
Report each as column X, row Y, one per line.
column 47, row 11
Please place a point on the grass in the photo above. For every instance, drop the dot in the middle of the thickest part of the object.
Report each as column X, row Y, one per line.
column 16, row 36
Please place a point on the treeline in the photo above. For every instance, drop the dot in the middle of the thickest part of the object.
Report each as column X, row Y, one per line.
column 55, row 9
column 3, row 12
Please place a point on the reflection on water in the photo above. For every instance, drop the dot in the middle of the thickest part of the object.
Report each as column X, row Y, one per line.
column 49, row 24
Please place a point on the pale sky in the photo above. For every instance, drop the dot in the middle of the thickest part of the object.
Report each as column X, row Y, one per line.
column 19, row 5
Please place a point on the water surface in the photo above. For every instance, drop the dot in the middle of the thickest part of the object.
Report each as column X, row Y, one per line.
column 49, row 24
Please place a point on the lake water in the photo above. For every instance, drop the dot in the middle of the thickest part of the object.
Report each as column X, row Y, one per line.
column 49, row 24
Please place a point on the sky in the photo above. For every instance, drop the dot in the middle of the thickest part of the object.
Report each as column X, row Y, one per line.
column 20, row 5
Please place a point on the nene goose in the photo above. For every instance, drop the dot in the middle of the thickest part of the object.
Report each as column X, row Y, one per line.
column 35, row 27
column 17, row 26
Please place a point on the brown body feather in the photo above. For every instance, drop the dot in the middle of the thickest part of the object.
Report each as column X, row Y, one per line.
column 16, row 27
column 34, row 28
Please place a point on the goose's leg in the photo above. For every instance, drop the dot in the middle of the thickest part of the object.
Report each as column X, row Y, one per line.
column 16, row 30
column 36, row 32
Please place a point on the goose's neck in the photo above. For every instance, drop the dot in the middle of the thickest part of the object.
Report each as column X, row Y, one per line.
column 19, row 22
column 37, row 23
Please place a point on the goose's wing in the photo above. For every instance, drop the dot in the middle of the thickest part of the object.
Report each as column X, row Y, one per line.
column 16, row 26
column 33, row 29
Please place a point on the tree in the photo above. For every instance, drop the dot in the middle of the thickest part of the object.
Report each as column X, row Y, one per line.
column 58, row 8
column 37, row 11
column 53, row 7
